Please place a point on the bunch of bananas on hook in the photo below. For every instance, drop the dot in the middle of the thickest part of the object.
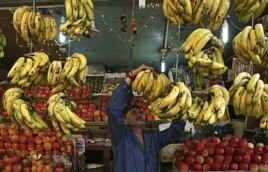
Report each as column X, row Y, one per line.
column 3, row 43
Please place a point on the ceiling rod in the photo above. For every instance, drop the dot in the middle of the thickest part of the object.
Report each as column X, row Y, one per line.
column 38, row 5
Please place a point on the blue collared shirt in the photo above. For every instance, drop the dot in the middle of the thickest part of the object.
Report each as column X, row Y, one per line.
column 129, row 154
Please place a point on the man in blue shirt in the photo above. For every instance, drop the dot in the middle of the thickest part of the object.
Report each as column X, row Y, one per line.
column 136, row 149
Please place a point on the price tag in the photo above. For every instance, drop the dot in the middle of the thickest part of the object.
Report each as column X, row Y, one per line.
column 80, row 146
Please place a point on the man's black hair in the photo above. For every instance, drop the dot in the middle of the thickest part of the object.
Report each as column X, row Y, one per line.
column 127, row 108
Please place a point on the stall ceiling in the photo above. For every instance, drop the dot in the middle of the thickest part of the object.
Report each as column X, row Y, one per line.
column 112, row 48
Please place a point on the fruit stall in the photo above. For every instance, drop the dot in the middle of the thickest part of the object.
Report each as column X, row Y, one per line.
column 209, row 62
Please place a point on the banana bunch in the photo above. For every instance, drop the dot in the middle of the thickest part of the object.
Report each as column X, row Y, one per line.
column 3, row 43
column 206, row 61
column 29, row 69
column 206, row 13
column 250, row 44
column 178, row 12
column 264, row 121
column 210, row 109
column 245, row 9
column 264, row 59
column 61, row 114
column 179, row 99
column 71, row 74
column 80, row 14
column 249, row 95
column 210, row 13
column 149, row 85
column 20, row 111
column 32, row 26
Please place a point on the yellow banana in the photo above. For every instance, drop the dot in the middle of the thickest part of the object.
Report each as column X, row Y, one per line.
column 82, row 59
column 168, row 99
column 25, row 112
column 260, row 34
column 16, row 67
column 258, row 91
column 252, row 82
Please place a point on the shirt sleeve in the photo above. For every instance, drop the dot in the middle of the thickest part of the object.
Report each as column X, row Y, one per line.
column 115, row 112
column 171, row 134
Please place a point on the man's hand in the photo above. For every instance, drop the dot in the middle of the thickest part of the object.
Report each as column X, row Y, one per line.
column 140, row 68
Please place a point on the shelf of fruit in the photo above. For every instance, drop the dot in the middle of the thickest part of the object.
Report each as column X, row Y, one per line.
column 229, row 154
column 25, row 150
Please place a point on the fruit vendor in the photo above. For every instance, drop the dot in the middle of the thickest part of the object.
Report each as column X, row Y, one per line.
column 136, row 149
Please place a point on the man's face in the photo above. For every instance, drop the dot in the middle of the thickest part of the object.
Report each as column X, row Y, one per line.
column 135, row 117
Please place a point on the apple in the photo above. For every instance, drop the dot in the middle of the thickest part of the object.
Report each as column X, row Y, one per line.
column 31, row 146
column 250, row 145
column 233, row 167
column 26, row 169
column 246, row 159
column 14, row 138
column 205, row 140
column 223, row 144
column 229, row 151
column 47, row 146
column 258, row 150
column 189, row 160
column 208, row 160
column 196, row 167
column 225, row 166
column 228, row 158
column 205, row 167
column 198, row 146
column 215, row 166
column 204, row 152
column 243, row 166
column 183, row 167
column 199, row 159
column 234, row 140
column 237, row 159
column 189, row 144
column 4, row 131
column 249, row 151
column 16, row 159
column 228, row 136
column 15, row 145
column 243, row 143
column 192, row 153
column 253, row 167
column 218, row 158
column 215, row 139
column 240, row 151
column 22, row 139
column 265, row 149
column 265, row 158
column 219, row 150
column 257, row 159
column 263, row 167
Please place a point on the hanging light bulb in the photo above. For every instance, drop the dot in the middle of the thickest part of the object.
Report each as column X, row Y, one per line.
column 62, row 37
column 142, row 3
column 163, row 65
column 225, row 31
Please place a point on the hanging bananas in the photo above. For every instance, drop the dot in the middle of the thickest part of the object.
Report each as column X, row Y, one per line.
column 208, row 110
column 32, row 26
column 207, row 13
column 61, row 114
column 3, row 43
column 249, row 95
column 72, row 74
column 245, row 9
column 80, row 15
column 208, row 62
column 29, row 69
column 20, row 111
column 250, row 45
